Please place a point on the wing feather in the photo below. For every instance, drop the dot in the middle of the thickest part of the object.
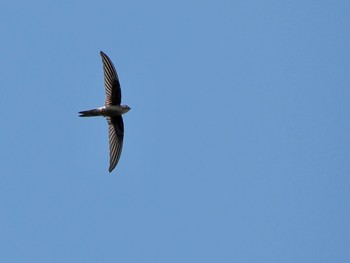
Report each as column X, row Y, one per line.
column 112, row 85
column 116, row 136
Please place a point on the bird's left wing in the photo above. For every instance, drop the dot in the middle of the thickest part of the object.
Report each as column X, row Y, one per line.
column 112, row 85
column 116, row 135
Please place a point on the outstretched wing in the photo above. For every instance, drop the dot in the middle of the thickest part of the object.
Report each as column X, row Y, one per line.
column 116, row 135
column 112, row 85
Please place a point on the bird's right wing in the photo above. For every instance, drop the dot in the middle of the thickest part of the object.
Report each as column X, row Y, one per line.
column 116, row 135
column 112, row 85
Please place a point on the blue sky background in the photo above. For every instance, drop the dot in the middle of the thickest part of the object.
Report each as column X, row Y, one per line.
column 236, row 149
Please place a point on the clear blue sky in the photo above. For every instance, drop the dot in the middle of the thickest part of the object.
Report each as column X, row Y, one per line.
column 237, row 146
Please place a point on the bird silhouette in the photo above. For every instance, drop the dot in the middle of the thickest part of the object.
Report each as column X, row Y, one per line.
column 112, row 110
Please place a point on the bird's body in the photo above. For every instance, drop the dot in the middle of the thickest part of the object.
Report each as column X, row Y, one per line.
column 109, row 111
column 112, row 110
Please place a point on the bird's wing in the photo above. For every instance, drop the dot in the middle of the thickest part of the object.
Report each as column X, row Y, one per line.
column 112, row 85
column 116, row 135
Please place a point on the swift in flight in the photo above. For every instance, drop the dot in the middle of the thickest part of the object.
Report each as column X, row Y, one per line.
column 112, row 110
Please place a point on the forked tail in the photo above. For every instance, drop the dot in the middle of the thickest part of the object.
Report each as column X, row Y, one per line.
column 90, row 113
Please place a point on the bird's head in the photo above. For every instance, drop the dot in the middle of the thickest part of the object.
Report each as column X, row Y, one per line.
column 125, row 108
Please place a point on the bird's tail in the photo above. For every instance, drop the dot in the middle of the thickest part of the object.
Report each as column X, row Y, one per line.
column 90, row 113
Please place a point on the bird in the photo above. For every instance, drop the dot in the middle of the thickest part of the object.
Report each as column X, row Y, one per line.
column 112, row 111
